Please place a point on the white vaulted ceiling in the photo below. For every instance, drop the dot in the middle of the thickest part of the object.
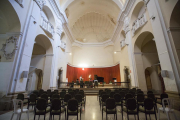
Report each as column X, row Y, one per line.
column 93, row 27
column 92, row 21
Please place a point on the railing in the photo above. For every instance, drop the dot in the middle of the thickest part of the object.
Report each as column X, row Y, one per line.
column 47, row 26
column 139, row 23
column 102, row 85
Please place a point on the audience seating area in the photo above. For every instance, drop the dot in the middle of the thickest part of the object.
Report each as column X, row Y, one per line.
column 71, row 101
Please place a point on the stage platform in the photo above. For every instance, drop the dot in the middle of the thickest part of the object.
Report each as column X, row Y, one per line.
column 92, row 91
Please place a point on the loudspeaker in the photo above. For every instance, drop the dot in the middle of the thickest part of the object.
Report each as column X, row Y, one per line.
column 25, row 74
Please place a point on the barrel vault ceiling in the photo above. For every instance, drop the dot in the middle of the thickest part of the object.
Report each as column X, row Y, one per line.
column 92, row 21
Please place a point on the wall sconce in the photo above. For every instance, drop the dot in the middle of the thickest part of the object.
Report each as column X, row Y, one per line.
column 82, row 68
column 116, row 52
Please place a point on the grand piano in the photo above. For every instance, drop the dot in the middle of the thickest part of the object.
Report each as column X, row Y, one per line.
column 100, row 79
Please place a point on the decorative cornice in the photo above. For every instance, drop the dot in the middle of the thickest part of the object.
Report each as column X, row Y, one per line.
column 57, row 11
column 40, row 3
column 59, row 30
column 68, row 32
column 126, row 10
column 104, row 44
column 94, row 66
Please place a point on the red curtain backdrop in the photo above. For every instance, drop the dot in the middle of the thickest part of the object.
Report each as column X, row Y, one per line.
column 73, row 73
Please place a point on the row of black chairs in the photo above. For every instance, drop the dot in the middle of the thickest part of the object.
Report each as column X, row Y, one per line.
column 70, row 105
column 43, row 103
column 125, row 99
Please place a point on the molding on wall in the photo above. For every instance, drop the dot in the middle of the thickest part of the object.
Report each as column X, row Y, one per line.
column 126, row 10
column 55, row 6
column 105, row 44
column 40, row 3
column 93, row 66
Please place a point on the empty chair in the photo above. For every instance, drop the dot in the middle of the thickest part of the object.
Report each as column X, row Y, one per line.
column 62, row 94
column 140, row 92
column 17, row 111
column 45, row 96
column 167, row 102
column 52, row 93
column 78, row 97
column 112, row 94
column 66, row 98
column 110, row 107
column 103, row 100
column 36, row 92
column 127, row 96
column 122, row 94
column 72, row 94
column 69, row 90
column 57, row 108
column 131, row 108
column 116, row 91
column 98, row 96
column 108, row 91
column 83, row 96
column 148, row 108
column 77, row 91
column 41, row 91
column 57, row 91
column 41, row 108
column 140, row 99
column 73, row 109
column 32, row 100
column 132, row 93
column 162, row 96
column 20, row 96
column 152, row 96
column 102, row 93
column 63, row 90
column 150, row 92
column 118, row 100
column 56, row 96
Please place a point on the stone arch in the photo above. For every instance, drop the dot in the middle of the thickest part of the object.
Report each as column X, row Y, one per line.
column 44, row 41
column 9, row 19
column 42, row 57
column 175, row 28
column 48, row 13
column 146, row 56
column 137, row 11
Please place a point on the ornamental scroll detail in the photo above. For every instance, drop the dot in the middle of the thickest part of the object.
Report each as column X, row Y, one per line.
column 40, row 3
column 10, row 47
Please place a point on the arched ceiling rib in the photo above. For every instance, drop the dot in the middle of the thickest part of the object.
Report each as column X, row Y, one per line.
column 92, row 20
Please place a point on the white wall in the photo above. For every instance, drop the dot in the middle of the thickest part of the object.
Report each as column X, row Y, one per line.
column 6, row 69
column 93, row 56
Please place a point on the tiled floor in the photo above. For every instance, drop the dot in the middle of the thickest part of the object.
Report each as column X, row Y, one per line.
column 91, row 112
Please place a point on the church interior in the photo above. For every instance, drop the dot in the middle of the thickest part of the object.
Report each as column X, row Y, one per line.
column 90, row 59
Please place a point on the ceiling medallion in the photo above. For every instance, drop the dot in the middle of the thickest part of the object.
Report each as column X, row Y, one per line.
column 10, row 47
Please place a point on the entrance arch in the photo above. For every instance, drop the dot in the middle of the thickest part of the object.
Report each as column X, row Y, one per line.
column 175, row 28
column 41, row 60
column 147, row 61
